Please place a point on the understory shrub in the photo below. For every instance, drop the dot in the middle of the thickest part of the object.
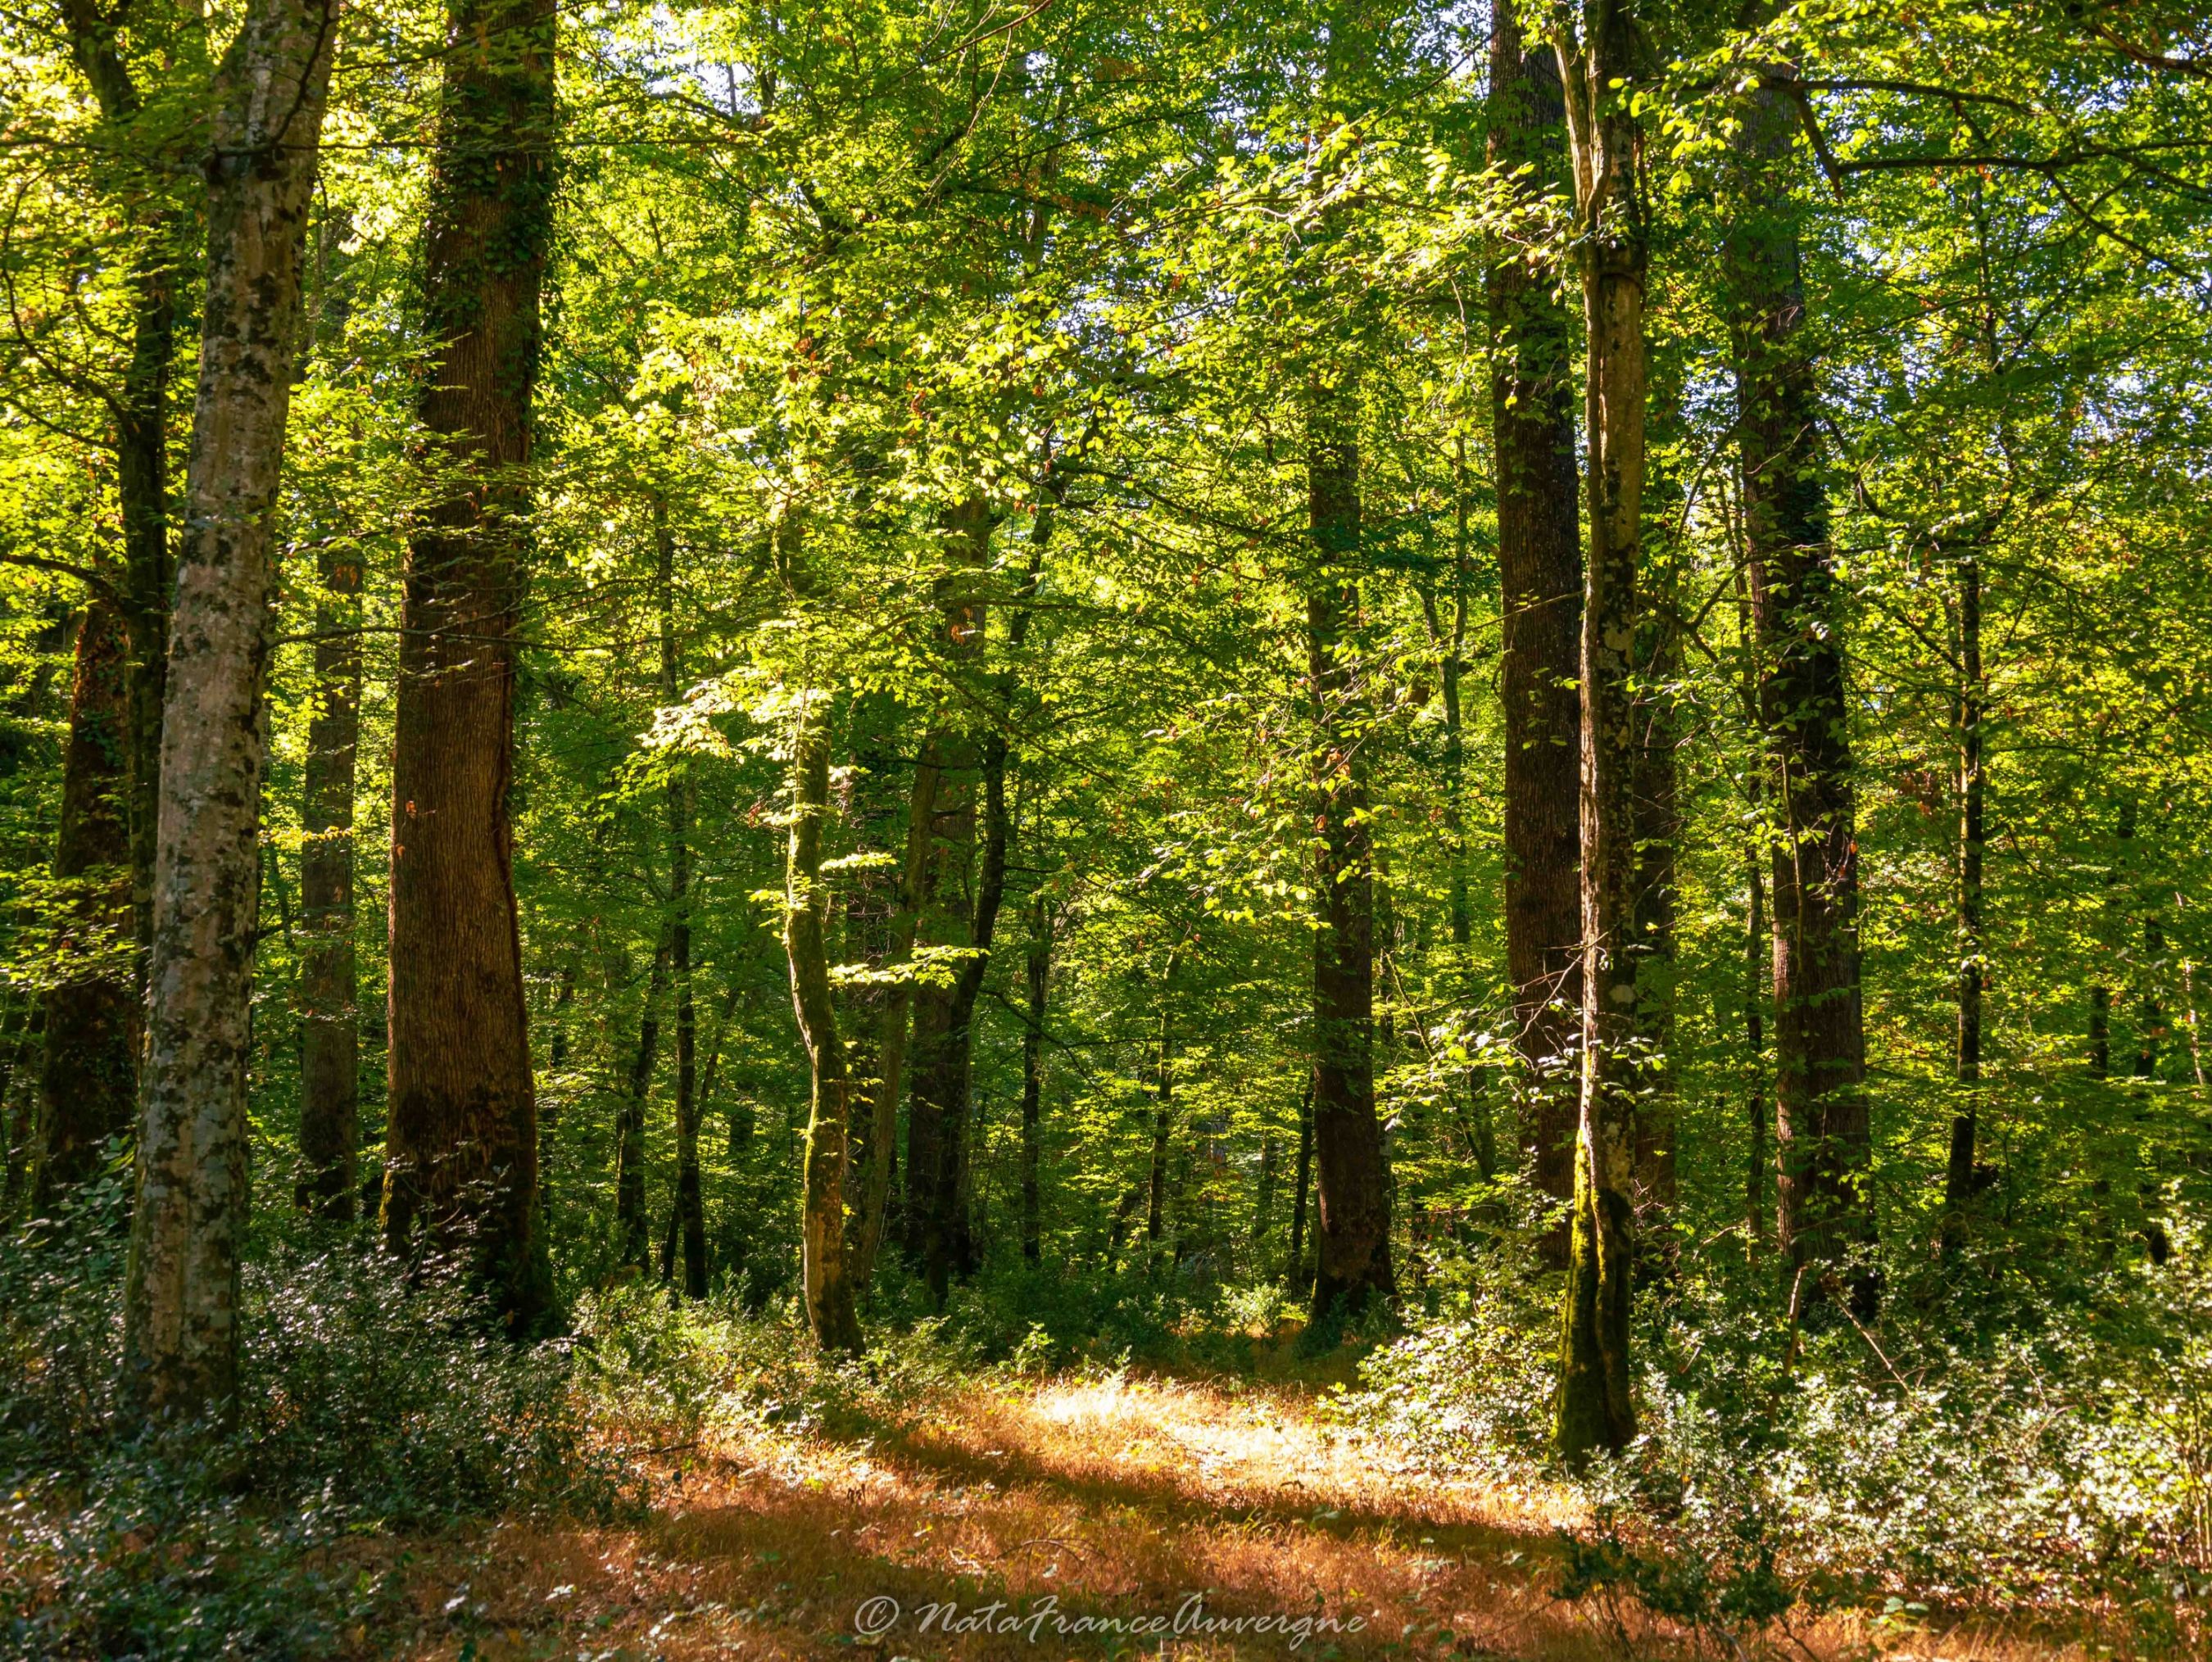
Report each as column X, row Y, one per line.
column 368, row 1405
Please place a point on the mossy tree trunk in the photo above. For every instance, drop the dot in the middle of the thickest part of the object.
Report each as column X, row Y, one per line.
column 330, row 1021
column 1595, row 1406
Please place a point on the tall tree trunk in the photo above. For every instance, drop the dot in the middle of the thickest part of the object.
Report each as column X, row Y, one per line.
column 1820, row 1070
column 462, row 1141
column 827, row 1290
column 893, row 1021
column 632, row 1232
column 1295, row 1268
column 141, row 441
column 1959, row 1174
column 949, row 1244
column 180, row 1303
column 1040, row 976
column 88, row 1071
column 1658, row 826
column 1354, row 1233
column 1756, row 986
column 1539, row 587
column 1595, row 1409
column 330, row 1037
column 1156, row 1186
column 938, row 1113
column 690, row 1213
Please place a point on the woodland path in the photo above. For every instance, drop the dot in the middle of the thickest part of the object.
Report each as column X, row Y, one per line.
column 1117, row 1501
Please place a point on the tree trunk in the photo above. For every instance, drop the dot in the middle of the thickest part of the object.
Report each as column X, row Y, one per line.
column 1302, row 1186
column 1756, row 985
column 141, row 440
column 89, row 1070
column 1156, row 1186
column 632, row 1231
column 1820, row 1070
column 1596, row 1410
column 1958, row 1173
column 180, row 1304
column 462, row 1141
column 1539, row 585
column 1040, row 974
column 330, row 1039
column 690, row 1213
column 829, row 1292
column 937, row 1117
column 1354, row 1232
column 1657, row 824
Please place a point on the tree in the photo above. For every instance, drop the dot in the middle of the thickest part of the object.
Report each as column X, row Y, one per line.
column 1821, row 1128
column 1540, row 583
column 330, row 1021
column 1595, row 1408
column 461, row 1145
column 181, row 1306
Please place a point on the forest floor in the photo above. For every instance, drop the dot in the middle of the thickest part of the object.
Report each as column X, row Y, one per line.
column 1047, row 1521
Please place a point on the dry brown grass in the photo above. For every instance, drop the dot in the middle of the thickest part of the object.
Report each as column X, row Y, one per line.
column 1117, row 1501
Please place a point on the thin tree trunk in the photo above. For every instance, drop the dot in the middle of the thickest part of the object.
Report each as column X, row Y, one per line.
column 180, row 1303
column 1821, row 1121
column 689, row 1216
column 1040, row 977
column 829, row 1292
column 632, row 1231
column 1156, row 1187
column 1658, row 826
column 2150, row 1017
column 89, row 1069
column 1959, row 1174
column 1758, row 980
column 330, row 1036
column 462, row 1139
column 19, row 1102
column 1295, row 1269
column 1539, row 587
column 1595, row 1409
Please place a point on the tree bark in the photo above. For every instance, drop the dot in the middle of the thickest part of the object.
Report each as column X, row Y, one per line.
column 1156, row 1186
column 1354, row 1220
column 828, row 1289
column 462, row 1142
column 89, row 1071
column 1539, row 585
column 1821, row 1122
column 180, row 1303
column 632, row 1231
column 1040, row 976
column 1958, row 1172
column 330, row 1021
column 1595, row 1408
column 1295, row 1269
column 141, row 440
column 689, row 1212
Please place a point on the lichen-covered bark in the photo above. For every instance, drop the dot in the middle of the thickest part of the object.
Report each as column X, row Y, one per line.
column 180, row 1337
column 1540, row 586
column 1821, row 1126
column 825, row 1280
column 89, row 1072
column 461, row 1175
column 1595, row 1407
column 330, row 1016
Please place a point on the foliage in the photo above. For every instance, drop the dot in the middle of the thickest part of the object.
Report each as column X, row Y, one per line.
column 373, row 1404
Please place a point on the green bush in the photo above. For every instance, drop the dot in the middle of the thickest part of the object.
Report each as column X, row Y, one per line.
column 368, row 1404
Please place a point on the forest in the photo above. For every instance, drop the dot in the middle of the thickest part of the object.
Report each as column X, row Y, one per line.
column 1002, row 829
